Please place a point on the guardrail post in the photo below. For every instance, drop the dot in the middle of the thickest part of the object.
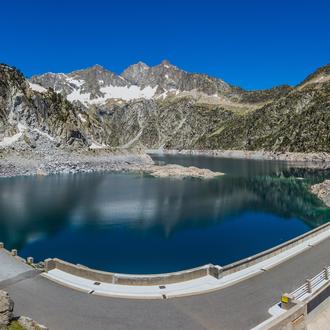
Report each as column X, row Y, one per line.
column 309, row 286
column 287, row 301
column 30, row 260
column 49, row 264
column 2, row 245
column 326, row 273
column 14, row 252
column 215, row 271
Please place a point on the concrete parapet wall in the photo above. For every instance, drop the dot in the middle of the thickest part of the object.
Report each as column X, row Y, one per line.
column 318, row 297
column 161, row 279
column 78, row 270
column 250, row 261
column 294, row 319
column 127, row 279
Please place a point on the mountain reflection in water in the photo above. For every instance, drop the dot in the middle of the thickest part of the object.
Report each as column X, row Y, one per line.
column 139, row 224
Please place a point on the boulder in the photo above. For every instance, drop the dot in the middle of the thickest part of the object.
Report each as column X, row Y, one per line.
column 6, row 309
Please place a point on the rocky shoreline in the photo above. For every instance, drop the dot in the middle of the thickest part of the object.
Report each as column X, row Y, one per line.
column 33, row 163
column 24, row 161
column 178, row 171
column 319, row 159
column 322, row 191
column 64, row 161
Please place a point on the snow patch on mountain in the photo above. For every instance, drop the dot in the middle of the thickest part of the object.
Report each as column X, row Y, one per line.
column 9, row 140
column 84, row 98
column 126, row 93
column 76, row 82
column 37, row 88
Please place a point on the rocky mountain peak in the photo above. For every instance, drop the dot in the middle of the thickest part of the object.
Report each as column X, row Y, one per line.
column 11, row 74
column 321, row 75
column 142, row 65
column 167, row 65
column 165, row 62
column 85, row 87
column 98, row 86
column 92, row 73
column 97, row 67
column 136, row 73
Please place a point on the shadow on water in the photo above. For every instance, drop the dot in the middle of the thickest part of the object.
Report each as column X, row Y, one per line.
column 139, row 224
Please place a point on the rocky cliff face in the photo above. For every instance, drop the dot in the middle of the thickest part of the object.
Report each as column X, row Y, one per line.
column 296, row 122
column 30, row 113
column 170, row 123
column 165, row 107
column 167, row 77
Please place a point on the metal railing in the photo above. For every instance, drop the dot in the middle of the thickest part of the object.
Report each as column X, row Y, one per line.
column 311, row 285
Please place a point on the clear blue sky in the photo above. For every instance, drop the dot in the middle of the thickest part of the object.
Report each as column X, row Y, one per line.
column 250, row 43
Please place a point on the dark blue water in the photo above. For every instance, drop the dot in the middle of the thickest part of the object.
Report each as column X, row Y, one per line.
column 139, row 224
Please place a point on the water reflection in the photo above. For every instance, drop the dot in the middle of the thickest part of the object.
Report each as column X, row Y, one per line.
column 140, row 224
column 237, row 167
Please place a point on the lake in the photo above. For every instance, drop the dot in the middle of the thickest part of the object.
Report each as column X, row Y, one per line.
column 134, row 223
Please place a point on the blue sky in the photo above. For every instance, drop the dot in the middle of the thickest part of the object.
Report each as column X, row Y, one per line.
column 252, row 44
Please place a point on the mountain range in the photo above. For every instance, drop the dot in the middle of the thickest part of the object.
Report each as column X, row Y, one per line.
column 162, row 107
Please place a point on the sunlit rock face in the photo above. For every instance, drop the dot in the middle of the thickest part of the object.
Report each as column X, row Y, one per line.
column 164, row 107
column 158, row 106
column 28, row 111
column 34, row 117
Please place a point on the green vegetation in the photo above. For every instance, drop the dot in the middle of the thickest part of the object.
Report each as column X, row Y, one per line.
column 14, row 325
column 298, row 122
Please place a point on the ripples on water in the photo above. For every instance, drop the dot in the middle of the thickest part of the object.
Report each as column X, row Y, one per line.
column 139, row 224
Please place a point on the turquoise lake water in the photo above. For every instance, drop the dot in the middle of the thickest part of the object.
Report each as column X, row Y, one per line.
column 139, row 224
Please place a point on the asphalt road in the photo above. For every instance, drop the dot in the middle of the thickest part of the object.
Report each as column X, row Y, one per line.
column 9, row 267
column 240, row 306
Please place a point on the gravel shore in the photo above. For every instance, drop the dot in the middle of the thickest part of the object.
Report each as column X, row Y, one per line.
column 88, row 161
column 46, row 158
column 84, row 161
